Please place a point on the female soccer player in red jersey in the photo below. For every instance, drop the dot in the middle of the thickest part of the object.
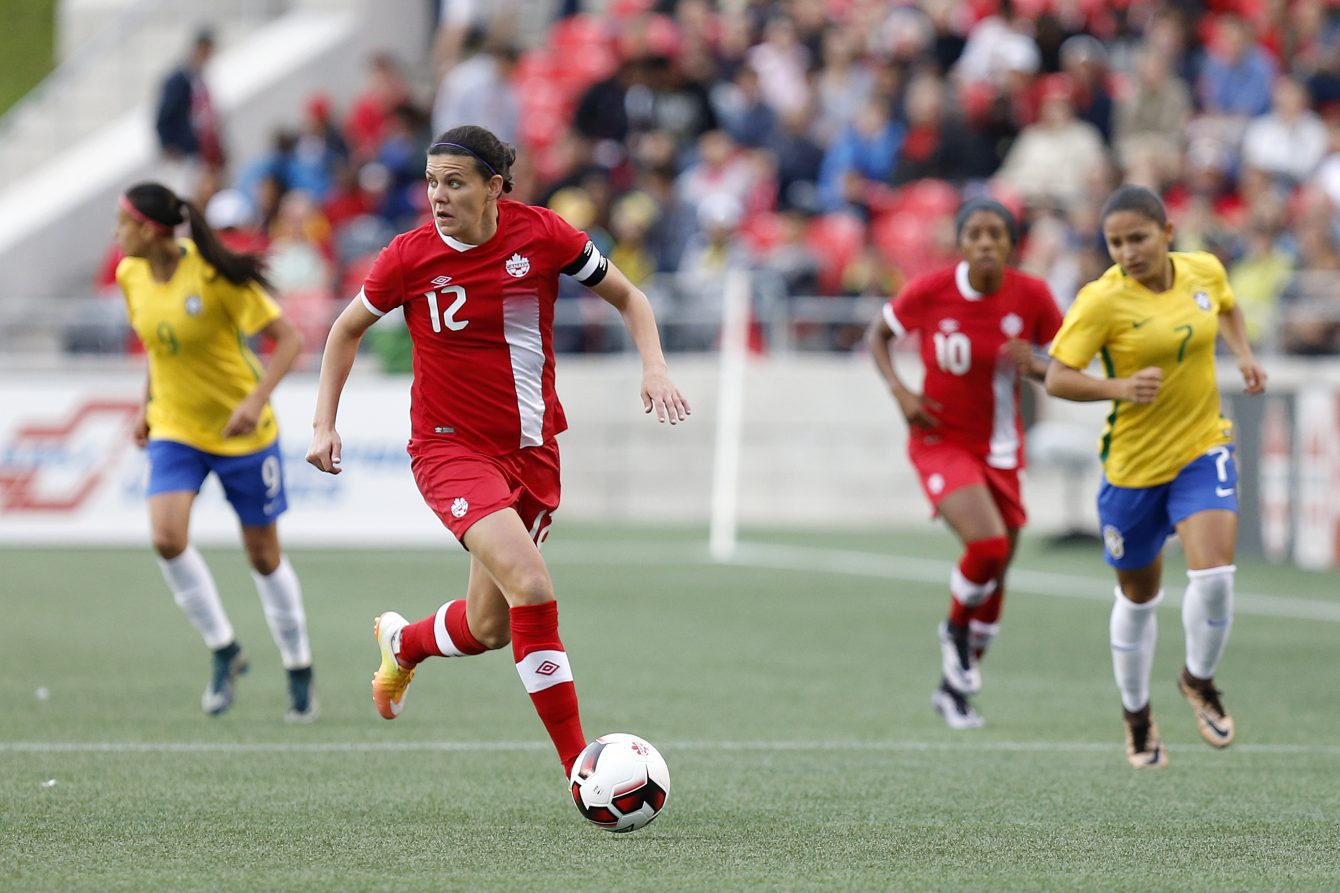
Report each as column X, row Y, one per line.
column 978, row 324
column 477, row 287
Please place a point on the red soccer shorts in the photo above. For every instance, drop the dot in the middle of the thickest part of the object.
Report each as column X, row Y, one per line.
column 462, row 485
column 944, row 468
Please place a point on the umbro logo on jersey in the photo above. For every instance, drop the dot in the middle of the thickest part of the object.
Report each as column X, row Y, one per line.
column 949, row 325
column 518, row 266
column 441, row 281
column 194, row 305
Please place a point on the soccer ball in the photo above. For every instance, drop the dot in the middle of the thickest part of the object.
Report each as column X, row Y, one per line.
column 620, row 782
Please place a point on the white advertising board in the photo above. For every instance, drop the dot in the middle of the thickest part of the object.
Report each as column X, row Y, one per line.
column 70, row 473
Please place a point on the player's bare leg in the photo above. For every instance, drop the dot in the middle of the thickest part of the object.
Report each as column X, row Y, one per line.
column 503, row 545
column 451, row 631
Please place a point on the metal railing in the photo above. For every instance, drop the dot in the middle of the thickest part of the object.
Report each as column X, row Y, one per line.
column 688, row 314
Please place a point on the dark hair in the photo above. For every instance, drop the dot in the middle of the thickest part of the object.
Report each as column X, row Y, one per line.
column 990, row 205
column 161, row 205
column 1138, row 199
column 492, row 156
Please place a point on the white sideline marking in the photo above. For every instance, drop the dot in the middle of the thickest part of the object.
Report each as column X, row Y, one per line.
column 124, row 747
column 769, row 556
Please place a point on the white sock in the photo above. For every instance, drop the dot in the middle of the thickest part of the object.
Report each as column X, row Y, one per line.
column 1134, row 630
column 1207, row 616
column 981, row 635
column 194, row 591
column 281, row 599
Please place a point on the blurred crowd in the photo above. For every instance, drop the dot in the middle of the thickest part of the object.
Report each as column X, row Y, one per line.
column 825, row 144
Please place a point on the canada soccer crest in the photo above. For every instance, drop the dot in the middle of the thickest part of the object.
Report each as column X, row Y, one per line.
column 1202, row 301
column 518, row 266
column 1011, row 325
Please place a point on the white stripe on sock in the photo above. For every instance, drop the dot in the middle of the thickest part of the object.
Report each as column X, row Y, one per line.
column 543, row 669
column 444, row 641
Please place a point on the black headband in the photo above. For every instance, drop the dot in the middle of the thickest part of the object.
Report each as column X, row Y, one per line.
column 974, row 205
column 466, row 149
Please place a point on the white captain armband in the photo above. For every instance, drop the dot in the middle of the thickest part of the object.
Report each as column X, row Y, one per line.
column 590, row 266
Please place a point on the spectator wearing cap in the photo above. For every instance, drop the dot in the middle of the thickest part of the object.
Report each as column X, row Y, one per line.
column 234, row 219
column 710, row 254
column 1054, row 159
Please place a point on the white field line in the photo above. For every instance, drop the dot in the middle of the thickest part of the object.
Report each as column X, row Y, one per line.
column 312, row 747
column 766, row 556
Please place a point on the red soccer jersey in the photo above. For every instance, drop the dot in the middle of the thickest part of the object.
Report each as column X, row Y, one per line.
column 962, row 334
column 481, row 318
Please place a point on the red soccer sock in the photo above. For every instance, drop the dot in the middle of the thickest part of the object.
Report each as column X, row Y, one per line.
column 443, row 634
column 543, row 666
column 985, row 621
column 959, row 613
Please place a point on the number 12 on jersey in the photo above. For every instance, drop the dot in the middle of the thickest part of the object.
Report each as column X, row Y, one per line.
column 953, row 352
column 448, row 318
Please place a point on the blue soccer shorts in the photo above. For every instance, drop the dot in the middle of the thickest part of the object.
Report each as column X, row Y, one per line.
column 1137, row 520
column 253, row 483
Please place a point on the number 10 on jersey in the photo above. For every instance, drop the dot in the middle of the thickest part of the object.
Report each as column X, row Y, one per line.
column 953, row 352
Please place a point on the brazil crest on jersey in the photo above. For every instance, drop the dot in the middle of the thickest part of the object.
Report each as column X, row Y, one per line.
column 961, row 333
column 481, row 318
column 1131, row 328
column 194, row 329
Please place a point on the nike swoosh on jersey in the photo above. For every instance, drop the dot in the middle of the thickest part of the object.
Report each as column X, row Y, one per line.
column 1136, row 325
column 1223, row 491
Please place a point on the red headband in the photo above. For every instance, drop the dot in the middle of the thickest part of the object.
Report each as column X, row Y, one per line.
column 161, row 228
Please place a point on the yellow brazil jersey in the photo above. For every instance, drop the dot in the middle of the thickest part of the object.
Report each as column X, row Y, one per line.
column 1131, row 328
column 194, row 329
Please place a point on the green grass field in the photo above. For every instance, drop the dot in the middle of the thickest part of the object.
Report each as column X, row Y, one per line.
column 788, row 692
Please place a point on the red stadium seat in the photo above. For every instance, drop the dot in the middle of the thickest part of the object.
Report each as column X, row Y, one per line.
column 903, row 240
column 928, row 198
column 836, row 239
column 762, row 232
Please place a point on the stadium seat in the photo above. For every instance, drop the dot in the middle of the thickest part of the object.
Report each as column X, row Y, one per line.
column 762, row 232
column 836, row 239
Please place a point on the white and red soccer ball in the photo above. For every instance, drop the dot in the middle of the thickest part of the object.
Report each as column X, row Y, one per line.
column 619, row 782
